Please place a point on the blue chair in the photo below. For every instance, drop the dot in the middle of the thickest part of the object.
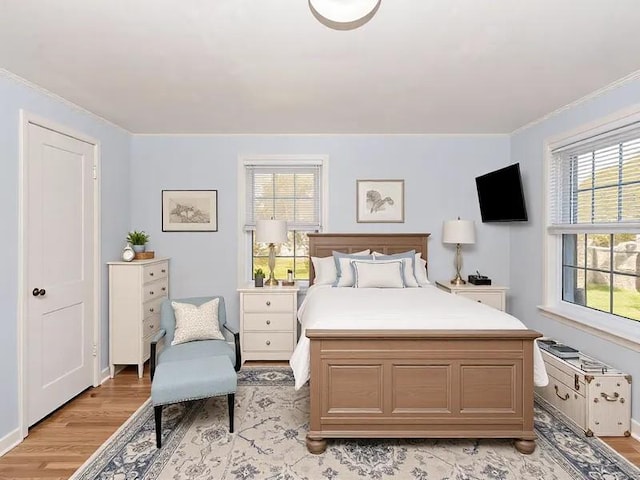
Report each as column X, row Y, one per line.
column 192, row 370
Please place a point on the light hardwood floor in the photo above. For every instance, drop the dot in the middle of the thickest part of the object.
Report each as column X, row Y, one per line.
column 59, row 444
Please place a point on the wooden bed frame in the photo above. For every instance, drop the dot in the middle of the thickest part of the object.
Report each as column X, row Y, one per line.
column 416, row 383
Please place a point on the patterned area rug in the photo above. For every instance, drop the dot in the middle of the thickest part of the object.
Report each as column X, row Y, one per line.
column 269, row 443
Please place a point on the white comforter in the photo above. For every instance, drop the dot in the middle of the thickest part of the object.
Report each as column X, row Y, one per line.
column 390, row 308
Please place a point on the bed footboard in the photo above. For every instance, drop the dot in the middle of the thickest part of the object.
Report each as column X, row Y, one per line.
column 421, row 384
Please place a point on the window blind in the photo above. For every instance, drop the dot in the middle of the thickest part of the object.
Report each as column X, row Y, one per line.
column 284, row 192
column 595, row 183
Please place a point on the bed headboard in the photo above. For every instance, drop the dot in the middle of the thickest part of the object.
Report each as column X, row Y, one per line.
column 323, row 244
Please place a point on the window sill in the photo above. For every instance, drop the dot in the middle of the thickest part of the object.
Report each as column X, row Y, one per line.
column 608, row 327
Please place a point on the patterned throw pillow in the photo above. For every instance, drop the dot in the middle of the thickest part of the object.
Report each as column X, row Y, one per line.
column 196, row 322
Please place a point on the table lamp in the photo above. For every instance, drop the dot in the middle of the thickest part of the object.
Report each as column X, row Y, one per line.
column 271, row 232
column 458, row 232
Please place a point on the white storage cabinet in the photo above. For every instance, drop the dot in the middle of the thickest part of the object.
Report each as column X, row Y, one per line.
column 598, row 403
column 136, row 291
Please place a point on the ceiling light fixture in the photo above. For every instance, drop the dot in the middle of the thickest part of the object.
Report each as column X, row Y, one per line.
column 344, row 14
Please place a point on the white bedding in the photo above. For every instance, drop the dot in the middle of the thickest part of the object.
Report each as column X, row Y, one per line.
column 379, row 308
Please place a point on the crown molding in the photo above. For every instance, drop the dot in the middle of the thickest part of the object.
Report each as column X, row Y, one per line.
column 590, row 96
column 57, row 98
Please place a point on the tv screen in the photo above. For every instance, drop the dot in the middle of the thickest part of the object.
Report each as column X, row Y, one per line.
column 501, row 196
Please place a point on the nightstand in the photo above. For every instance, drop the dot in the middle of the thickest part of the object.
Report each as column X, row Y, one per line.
column 268, row 328
column 492, row 295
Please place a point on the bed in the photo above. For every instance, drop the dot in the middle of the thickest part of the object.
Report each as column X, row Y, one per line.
column 416, row 383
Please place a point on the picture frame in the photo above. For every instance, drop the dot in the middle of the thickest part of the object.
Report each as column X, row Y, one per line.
column 380, row 201
column 189, row 210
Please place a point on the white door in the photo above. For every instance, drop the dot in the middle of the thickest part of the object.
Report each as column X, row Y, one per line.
column 59, row 268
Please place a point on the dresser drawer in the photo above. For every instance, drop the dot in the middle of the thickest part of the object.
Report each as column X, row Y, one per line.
column 151, row 307
column 264, row 302
column 155, row 289
column 268, row 341
column 155, row 271
column 268, row 322
column 151, row 325
column 493, row 299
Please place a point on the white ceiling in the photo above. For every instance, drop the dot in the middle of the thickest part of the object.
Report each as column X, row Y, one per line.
column 268, row 66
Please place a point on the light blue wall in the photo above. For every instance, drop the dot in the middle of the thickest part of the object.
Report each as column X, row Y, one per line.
column 115, row 148
column 439, row 174
column 526, row 257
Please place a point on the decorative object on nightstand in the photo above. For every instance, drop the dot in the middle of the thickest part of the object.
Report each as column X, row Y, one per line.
column 258, row 278
column 492, row 295
column 289, row 282
column 268, row 325
column 271, row 232
column 458, row 232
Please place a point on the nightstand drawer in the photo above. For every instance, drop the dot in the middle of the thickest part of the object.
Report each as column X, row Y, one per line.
column 264, row 303
column 268, row 322
column 267, row 341
column 488, row 298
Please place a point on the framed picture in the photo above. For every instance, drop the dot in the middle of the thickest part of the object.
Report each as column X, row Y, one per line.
column 380, row 201
column 189, row 210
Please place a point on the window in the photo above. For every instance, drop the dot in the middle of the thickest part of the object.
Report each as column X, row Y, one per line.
column 291, row 190
column 595, row 212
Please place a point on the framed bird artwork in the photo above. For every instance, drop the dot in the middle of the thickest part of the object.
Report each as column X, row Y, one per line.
column 380, row 201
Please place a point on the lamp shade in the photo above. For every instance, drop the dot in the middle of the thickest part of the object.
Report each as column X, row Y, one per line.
column 458, row 231
column 271, row 231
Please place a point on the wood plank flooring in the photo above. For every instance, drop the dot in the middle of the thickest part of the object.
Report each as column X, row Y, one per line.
column 59, row 444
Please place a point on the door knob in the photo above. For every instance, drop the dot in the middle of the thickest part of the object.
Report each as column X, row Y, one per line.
column 39, row 291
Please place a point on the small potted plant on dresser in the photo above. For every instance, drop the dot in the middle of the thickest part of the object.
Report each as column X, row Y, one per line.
column 138, row 240
column 258, row 277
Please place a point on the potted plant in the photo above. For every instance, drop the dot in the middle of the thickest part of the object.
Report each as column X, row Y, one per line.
column 258, row 277
column 138, row 240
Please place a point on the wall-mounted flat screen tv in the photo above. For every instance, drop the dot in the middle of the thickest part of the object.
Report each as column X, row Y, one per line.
column 501, row 196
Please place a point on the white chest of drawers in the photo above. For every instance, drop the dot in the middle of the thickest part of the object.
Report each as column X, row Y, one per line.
column 268, row 328
column 136, row 290
column 598, row 403
column 492, row 295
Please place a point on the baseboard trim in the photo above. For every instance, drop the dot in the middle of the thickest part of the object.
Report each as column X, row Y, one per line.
column 9, row 441
column 105, row 375
column 635, row 429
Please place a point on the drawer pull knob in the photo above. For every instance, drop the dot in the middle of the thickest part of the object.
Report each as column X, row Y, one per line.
column 151, row 274
column 151, row 310
column 151, row 292
column 164, row 289
column 151, row 326
column 610, row 398
column 268, row 303
column 163, row 271
column 268, row 322
column 268, row 342
column 479, row 301
column 566, row 395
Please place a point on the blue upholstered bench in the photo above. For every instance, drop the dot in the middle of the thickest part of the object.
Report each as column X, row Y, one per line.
column 192, row 379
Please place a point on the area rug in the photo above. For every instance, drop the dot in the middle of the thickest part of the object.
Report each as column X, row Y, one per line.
column 269, row 443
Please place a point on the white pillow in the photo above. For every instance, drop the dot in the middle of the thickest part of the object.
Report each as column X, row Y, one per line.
column 196, row 322
column 409, row 266
column 380, row 274
column 421, row 271
column 325, row 269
